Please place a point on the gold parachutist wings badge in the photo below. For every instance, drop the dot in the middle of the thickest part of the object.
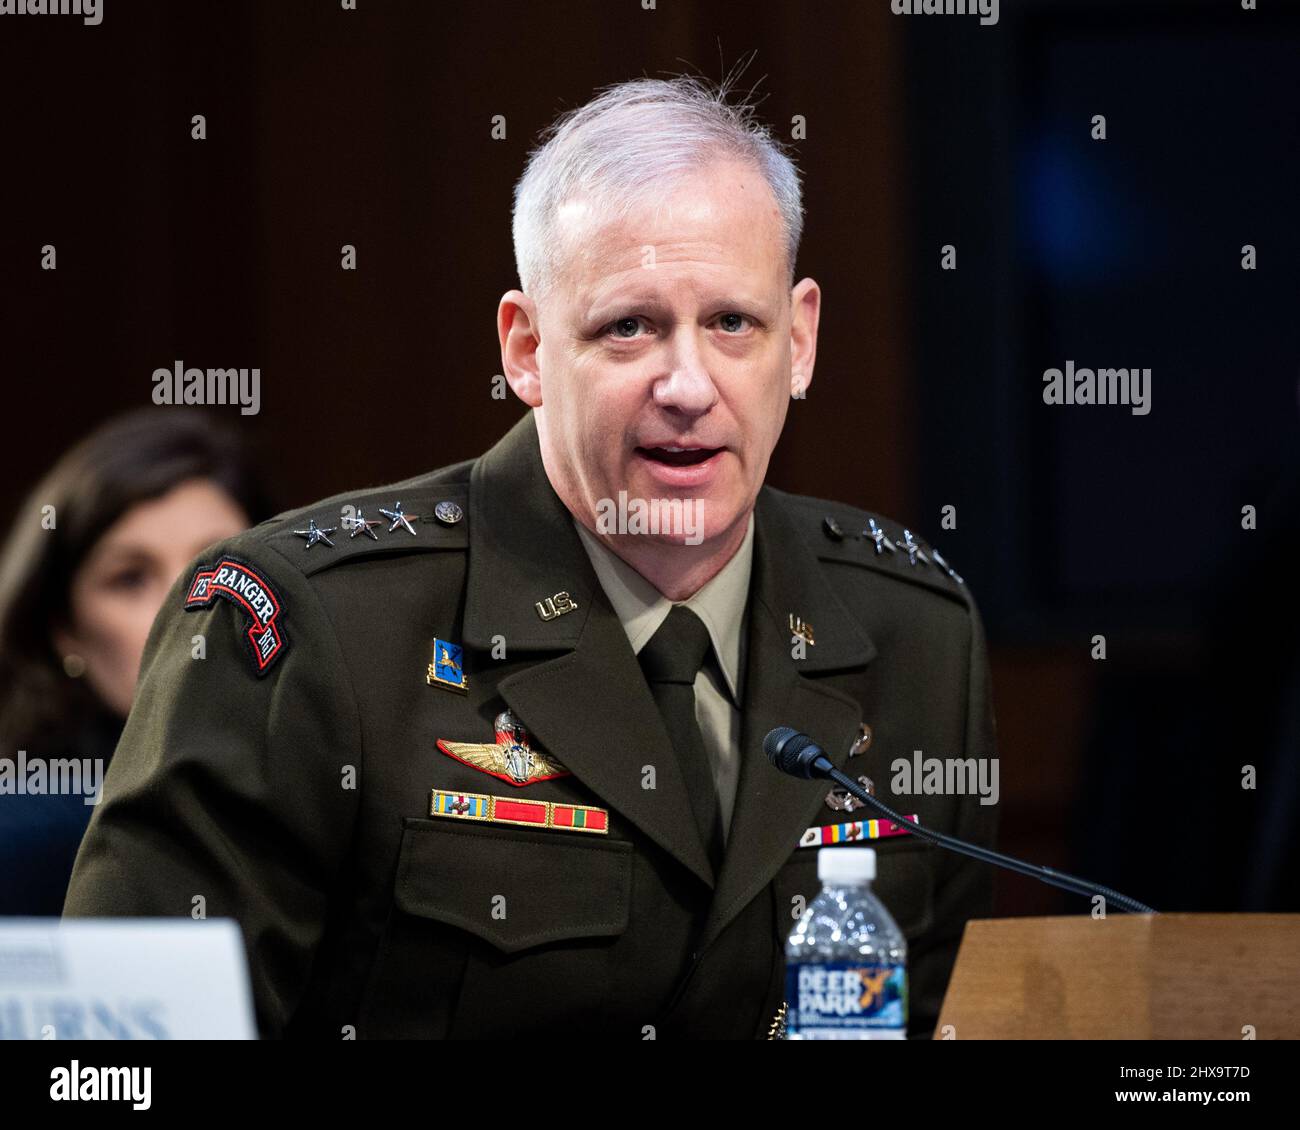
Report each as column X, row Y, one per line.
column 510, row 758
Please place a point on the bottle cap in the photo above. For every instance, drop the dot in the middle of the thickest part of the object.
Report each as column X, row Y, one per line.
column 846, row 864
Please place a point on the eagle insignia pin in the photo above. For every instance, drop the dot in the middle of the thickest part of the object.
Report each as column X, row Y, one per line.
column 511, row 758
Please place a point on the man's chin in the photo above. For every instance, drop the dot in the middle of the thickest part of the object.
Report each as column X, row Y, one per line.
column 699, row 524
column 667, row 519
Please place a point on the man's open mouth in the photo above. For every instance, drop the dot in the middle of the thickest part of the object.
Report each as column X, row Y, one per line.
column 679, row 456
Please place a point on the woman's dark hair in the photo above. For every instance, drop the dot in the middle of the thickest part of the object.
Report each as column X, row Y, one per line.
column 127, row 460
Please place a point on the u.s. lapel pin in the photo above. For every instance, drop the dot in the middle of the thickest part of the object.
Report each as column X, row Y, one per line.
column 448, row 667
column 556, row 605
column 801, row 628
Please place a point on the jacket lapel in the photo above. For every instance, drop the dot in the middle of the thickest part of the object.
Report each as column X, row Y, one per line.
column 589, row 704
column 523, row 548
column 772, row 809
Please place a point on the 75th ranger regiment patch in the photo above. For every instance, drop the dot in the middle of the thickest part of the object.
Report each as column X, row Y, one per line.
column 241, row 584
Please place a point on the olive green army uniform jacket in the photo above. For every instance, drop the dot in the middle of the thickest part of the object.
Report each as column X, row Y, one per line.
column 278, row 764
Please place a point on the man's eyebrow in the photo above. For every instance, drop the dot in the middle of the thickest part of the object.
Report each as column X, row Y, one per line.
column 618, row 298
column 650, row 300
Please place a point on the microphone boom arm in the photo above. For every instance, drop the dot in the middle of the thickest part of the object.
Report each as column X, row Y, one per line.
column 797, row 754
column 1033, row 870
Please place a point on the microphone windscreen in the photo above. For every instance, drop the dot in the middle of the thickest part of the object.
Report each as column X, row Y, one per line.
column 783, row 746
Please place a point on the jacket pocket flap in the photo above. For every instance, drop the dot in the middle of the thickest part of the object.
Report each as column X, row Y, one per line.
column 514, row 887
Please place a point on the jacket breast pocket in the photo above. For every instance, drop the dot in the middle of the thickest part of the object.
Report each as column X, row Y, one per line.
column 904, row 883
column 524, row 920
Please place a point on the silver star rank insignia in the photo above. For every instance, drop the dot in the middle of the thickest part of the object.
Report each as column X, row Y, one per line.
column 399, row 518
column 313, row 533
column 362, row 525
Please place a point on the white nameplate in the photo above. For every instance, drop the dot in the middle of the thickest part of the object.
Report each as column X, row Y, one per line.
column 123, row 979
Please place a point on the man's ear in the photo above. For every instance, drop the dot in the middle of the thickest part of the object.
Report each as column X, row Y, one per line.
column 520, row 337
column 805, row 311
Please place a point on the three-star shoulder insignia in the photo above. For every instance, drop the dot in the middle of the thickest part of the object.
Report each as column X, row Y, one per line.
column 385, row 521
column 846, row 534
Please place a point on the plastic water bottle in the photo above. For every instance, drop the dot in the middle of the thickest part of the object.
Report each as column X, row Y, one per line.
column 846, row 959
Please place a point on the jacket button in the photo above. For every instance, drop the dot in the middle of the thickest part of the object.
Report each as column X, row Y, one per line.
column 448, row 513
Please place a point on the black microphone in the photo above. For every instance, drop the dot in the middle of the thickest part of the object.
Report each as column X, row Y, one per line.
column 800, row 756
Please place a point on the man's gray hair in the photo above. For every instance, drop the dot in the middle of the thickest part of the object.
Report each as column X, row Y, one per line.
column 626, row 146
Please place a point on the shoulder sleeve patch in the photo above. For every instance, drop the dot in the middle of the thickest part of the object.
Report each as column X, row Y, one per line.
column 241, row 584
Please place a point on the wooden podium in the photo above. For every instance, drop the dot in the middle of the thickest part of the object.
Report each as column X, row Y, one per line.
column 1126, row 977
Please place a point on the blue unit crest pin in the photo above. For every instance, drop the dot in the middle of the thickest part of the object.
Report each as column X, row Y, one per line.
column 448, row 667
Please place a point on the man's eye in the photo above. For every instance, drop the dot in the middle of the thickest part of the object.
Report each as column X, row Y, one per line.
column 629, row 323
column 625, row 328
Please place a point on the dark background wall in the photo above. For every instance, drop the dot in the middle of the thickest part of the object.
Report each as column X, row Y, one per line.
column 373, row 127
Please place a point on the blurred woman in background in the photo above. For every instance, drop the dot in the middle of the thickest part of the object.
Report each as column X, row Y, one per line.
column 93, row 552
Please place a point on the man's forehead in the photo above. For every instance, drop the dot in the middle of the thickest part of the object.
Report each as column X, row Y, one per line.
column 610, row 245
column 625, row 266
column 724, row 216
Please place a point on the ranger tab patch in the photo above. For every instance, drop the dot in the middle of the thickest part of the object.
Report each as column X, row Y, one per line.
column 241, row 584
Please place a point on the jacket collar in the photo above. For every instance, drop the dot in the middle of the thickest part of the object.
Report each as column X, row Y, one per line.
column 721, row 603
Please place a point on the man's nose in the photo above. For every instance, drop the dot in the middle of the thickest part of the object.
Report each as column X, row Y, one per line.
column 687, row 386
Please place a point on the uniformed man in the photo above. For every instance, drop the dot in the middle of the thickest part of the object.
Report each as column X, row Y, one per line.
column 480, row 753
